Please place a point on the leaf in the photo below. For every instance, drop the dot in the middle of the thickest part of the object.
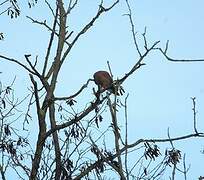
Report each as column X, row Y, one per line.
column 19, row 141
column 8, row 90
column 1, row 36
column 100, row 118
column 60, row 108
column 96, row 121
column 4, row 103
column 7, row 130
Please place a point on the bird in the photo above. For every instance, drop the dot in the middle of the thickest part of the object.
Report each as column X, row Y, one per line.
column 104, row 81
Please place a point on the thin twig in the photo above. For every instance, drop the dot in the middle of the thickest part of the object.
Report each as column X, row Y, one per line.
column 184, row 167
column 50, row 42
column 168, row 133
column 138, row 63
column 145, row 39
column 75, row 94
column 176, row 60
column 101, row 10
column 173, row 172
column 19, row 63
column 4, row 2
column 194, row 114
column 117, row 135
column 32, row 66
column 109, row 67
column 133, row 28
column 163, row 140
column 45, row 25
column 126, row 138
column 49, row 6
column 71, row 6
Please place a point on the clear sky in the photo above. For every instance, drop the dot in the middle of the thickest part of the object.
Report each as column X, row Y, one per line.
column 159, row 93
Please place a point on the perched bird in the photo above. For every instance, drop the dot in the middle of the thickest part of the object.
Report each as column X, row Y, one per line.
column 104, row 81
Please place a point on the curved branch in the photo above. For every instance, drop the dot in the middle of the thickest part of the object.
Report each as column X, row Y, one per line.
column 163, row 140
column 164, row 52
column 74, row 95
column 92, row 166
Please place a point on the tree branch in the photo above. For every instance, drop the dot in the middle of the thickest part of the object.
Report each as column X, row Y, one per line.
column 75, row 94
column 133, row 28
column 194, row 114
column 92, row 166
column 88, row 26
column 77, row 118
column 117, row 136
column 19, row 63
column 138, row 63
column 50, row 42
column 164, row 52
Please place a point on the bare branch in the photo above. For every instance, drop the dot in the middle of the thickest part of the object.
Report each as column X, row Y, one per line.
column 19, row 63
column 133, row 28
column 4, row 2
column 35, row 93
column 145, row 39
column 5, row 11
column 126, row 138
column 49, row 6
column 2, row 173
column 163, row 140
column 45, row 25
column 173, row 172
column 32, row 66
column 71, row 6
column 92, row 166
column 117, row 136
column 101, row 10
column 77, row 118
column 109, row 67
column 50, row 42
column 184, row 167
column 194, row 114
column 56, row 142
column 42, row 130
column 168, row 133
column 60, row 44
column 138, row 63
column 164, row 52
column 167, row 46
column 74, row 95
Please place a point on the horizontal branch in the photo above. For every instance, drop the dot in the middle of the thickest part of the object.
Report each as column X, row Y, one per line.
column 164, row 52
column 74, row 95
column 92, row 166
column 162, row 140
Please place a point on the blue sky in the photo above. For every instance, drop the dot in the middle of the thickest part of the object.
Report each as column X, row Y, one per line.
column 159, row 92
